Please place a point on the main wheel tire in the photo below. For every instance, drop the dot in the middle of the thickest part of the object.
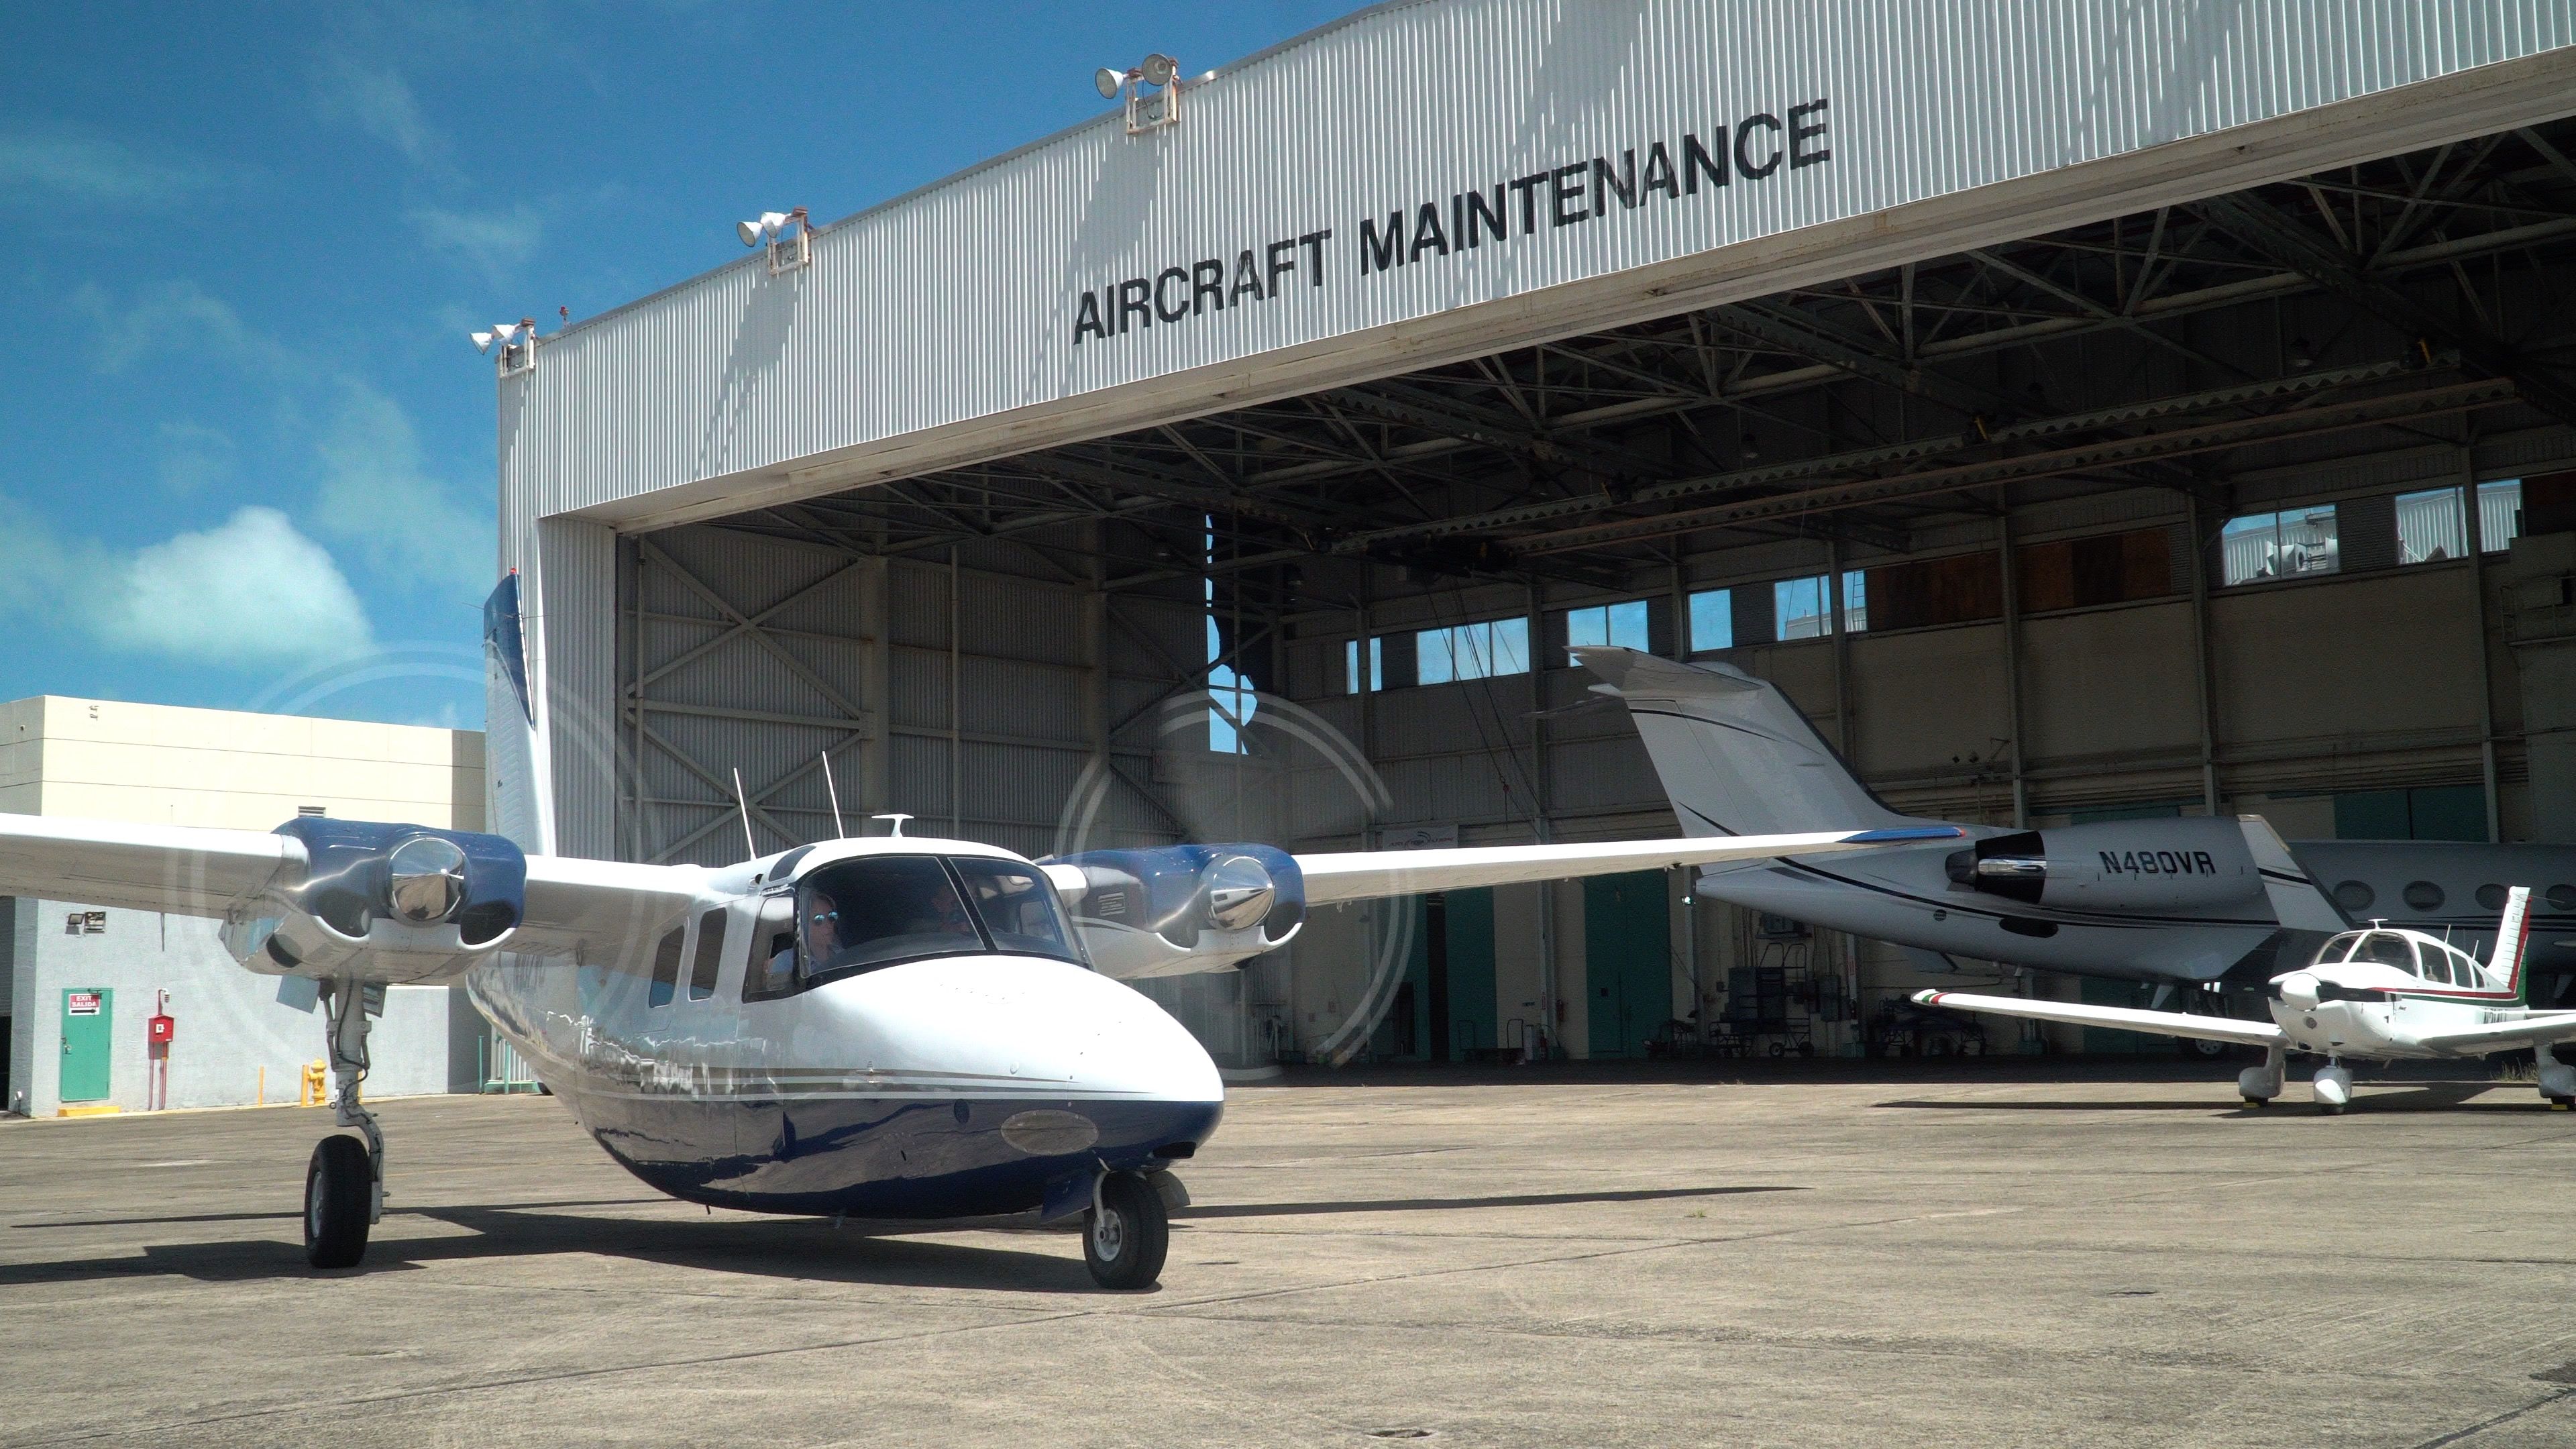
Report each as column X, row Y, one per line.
column 339, row 1194
column 1126, row 1238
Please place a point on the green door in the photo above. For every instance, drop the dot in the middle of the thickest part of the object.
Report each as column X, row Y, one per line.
column 88, row 1011
column 1471, row 973
column 1628, row 960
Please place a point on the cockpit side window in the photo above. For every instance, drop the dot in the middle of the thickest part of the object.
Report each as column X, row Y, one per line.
column 2434, row 966
column 879, row 910
column 1017, row 906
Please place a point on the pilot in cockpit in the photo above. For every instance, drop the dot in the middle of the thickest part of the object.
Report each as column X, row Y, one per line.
column 822, row 937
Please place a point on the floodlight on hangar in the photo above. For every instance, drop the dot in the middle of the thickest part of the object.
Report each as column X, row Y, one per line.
column 518, row 344
column 785, row 253
column 1145, row 112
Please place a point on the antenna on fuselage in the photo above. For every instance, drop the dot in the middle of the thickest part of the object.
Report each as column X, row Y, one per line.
column 743, row 803
column 838, row 833
column 894, row 823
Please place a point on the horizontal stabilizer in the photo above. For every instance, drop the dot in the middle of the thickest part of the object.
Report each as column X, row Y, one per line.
column 2163, row 1023
column 2497, row 1036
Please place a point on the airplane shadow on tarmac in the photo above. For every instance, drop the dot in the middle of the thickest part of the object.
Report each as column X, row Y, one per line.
column 807, row 1249
column 2433, row 1097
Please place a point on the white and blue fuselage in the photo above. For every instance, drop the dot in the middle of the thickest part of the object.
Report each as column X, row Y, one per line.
column 732, row 1061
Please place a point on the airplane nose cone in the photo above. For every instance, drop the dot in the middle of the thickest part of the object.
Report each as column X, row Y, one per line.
column 1024, row 1023
column 2299, row 991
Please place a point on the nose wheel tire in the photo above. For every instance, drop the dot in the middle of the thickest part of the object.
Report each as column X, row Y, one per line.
column 1126, row 1237
column 339, row 1193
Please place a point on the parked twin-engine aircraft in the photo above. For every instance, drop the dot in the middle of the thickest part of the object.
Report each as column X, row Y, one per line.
column 887, row 1027
column 2376, row 995
column 2172, row 901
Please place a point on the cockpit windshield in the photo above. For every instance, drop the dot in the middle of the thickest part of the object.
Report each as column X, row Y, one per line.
column 2386, row 948
column 877, row 910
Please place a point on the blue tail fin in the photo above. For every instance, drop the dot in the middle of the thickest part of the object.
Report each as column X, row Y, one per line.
column 518, row 778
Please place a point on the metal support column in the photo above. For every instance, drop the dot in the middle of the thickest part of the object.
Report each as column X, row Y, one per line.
column 2010, row 563
column 956, row 710
column 2478, row 641
column 2200, row 654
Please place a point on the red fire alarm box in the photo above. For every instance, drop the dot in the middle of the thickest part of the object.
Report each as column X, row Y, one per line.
column 164, row 1029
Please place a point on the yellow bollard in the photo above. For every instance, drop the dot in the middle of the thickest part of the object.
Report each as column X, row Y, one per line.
column 317, row 1085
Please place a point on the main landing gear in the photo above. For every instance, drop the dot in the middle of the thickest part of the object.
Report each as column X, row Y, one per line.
column 2259, row 1085
column 1127, row 1233
column 344, row 1185
column 2557, row 1080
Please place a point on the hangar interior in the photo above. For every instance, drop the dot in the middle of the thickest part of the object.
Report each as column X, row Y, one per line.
column 2261, row 501
column 2184, row 512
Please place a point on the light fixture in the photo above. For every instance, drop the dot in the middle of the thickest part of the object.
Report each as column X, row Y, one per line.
column 1157, row 72
column 770, row 224
column 518, row 343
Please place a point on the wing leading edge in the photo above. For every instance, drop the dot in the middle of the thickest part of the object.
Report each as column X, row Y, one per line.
column 1360, row 875
column 2166, row 1023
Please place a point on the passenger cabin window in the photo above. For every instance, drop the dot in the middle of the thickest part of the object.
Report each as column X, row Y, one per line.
column 666, row 968
column 2435, row 967
column 710, row 957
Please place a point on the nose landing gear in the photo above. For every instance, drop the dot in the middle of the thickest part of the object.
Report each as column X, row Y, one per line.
column 344, row 1184
column 2333, row 1087
column 1127, row 1233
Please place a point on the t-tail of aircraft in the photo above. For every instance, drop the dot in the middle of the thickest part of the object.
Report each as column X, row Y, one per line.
column 2513, row 934
column 516, row 762
column 1735, row 756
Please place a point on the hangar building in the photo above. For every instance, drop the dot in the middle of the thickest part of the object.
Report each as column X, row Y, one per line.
column 2079, row 407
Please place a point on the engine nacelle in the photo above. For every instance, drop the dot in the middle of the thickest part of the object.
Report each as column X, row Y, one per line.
column 393, row 903
column 2127, row 865
column 1182, row 909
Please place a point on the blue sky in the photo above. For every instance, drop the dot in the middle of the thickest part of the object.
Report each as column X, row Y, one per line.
column 246, row 450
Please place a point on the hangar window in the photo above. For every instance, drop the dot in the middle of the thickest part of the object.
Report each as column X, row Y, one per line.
column 1801, row 609
column 2257, row 548
column 1805, row 608
column 1352, row 680
column 1712, row 620
column 1620, row 624
column 1471, row 651
column 2431, row 526
column 2499, row 514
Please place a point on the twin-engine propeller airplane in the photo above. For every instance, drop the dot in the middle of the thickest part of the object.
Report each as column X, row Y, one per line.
column 2376, row 994
column 887, row 1027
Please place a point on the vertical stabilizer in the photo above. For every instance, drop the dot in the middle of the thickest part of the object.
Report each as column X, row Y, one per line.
column 2513, row 933
column 518, row 780
column 2295, row 899
column 1736, row 757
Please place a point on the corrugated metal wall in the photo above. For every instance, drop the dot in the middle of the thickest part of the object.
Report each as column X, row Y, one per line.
column 1415, row 103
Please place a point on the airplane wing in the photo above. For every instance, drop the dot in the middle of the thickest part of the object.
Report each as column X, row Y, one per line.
column 1359, row 875
column 2497, row 1036
column 600, row 909
column 591, row 907
column 2165, row 1023
column 183, row 871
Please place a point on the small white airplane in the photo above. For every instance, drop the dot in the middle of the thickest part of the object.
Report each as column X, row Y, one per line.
column 890, row 1027
column 2375, row 994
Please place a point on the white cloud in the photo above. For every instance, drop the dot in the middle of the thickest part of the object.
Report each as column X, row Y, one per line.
column 494, row 241
column 93, row 169
column 379, row 102
column 250, row 591
column 377, row 494
column 170, row 317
